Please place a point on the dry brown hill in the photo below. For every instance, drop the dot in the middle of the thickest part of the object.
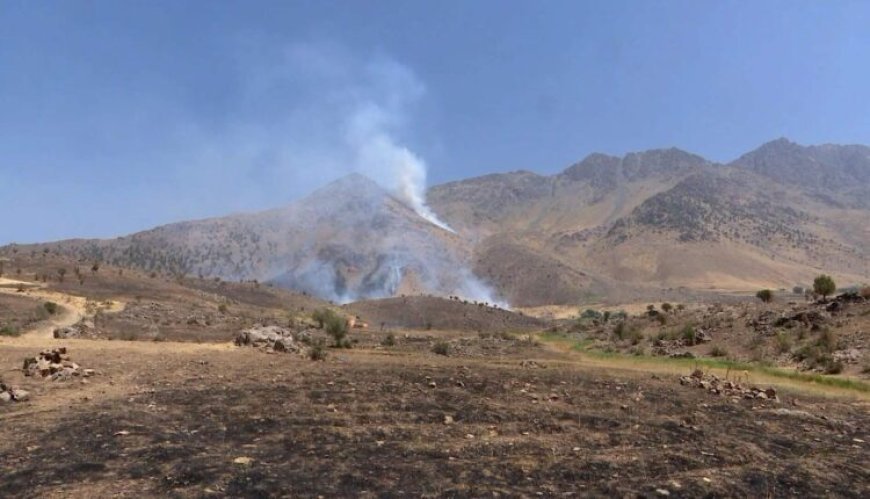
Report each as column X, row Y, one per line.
column 606, row 226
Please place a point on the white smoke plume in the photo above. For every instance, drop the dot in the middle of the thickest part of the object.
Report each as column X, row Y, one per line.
column 376, row 150
column 313, row 113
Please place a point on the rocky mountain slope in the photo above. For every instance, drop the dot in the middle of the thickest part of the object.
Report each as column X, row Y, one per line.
column 667, row 218
column 604, row 227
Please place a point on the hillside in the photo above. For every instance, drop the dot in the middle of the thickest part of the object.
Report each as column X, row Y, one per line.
column 667, row 218
column 605, row 227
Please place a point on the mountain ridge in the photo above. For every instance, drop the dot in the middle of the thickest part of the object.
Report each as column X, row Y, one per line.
column 601, row 225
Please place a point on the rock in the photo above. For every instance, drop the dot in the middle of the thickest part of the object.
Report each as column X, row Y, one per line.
column 5, row 397
column 448, row 419
column 273, row 338
column 19, row 395
column 243, row 460
column 54, row 363
column 850, row 356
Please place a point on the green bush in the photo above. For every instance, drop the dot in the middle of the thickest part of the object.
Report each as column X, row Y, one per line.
column 336, row 327
column 688, row 334
column 51, row 307
column 824, row 285
column 591, row 314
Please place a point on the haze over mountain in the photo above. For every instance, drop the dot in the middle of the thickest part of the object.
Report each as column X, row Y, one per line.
column 656, row 219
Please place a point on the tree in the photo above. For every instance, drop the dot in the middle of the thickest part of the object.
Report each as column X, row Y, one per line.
column 95, row 267
column 765, row 295
column 824, row 285
column 336, row 327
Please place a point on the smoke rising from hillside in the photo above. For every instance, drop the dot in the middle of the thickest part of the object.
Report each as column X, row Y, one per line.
column 348, row 114
column 377, row 152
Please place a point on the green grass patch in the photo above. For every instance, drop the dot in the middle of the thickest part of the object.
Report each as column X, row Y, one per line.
column 584, row 346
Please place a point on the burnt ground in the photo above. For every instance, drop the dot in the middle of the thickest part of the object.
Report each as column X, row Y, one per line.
column 432, row 312
column 172, row 420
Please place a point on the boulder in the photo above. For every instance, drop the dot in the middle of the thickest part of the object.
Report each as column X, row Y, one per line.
column 272, row 338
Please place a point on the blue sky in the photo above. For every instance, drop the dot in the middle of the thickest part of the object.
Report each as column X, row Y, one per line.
column 116, row 116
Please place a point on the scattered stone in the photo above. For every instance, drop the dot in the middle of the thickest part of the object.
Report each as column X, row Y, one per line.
column 531, row 364
column 54, row 364
column 849, row 356
column 243, row 460
column 724, row 387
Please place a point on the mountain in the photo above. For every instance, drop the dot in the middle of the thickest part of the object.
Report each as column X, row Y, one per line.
column 837, row 174
column 348, row 240
column 667, row 218
column 608, row 227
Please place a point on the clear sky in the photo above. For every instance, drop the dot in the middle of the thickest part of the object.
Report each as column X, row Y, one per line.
column 116, row 116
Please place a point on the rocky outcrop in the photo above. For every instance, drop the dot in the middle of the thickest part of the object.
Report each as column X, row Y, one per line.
column 54, row 364
column 274, row 338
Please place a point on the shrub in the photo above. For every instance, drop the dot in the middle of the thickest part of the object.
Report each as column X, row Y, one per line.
column 222, row 308
column 765, row 295
column 865, row 292
column 317, row 352
column 688, row 334
column 51, row 307
column 718, row 351
column 322, row 315
column 798, row 290
column 337, row 328
column 9, row 331
column 827, row 340
column 833, row 367
column 662, row 319
column 441, row 348
column 389, row 340
column 824, row 285
column 667, row 307
column 783, row 342
column 591, row 314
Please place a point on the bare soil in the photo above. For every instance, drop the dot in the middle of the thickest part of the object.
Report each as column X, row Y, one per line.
column 499, row 415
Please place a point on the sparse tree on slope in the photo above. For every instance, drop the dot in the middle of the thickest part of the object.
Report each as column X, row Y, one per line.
column 824, row 285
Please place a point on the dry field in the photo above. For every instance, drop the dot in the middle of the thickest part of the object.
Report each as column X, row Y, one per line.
column 500, row 415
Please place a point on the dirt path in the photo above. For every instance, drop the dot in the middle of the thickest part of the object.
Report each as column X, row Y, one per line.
column 74, row 309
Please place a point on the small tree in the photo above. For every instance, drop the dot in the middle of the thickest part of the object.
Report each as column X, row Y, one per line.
column 765, row 295
column 337, row 328
column 824, row 285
